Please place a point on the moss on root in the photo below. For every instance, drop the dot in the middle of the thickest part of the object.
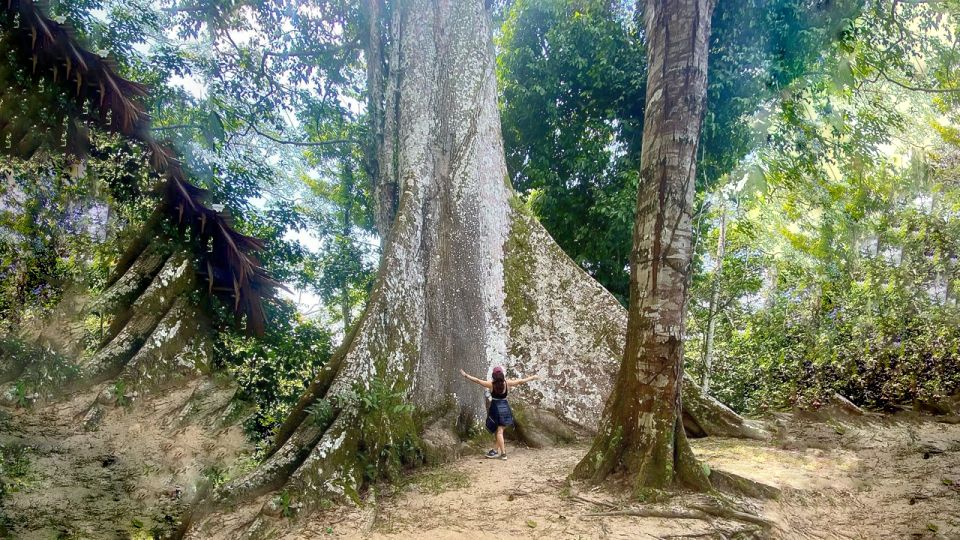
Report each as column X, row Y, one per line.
column 389, row 431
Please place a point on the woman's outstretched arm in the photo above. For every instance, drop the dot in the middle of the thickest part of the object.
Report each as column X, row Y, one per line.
column 481, row 382
column 515, row 382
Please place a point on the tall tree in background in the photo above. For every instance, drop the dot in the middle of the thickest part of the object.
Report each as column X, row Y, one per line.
column 642, row 435
column 714, row 307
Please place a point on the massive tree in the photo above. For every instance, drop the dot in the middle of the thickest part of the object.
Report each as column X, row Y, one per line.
column 468, row 279
column 641, row 435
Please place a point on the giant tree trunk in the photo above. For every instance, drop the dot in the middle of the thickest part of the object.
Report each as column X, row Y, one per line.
column 468, row 279
column 641, row 436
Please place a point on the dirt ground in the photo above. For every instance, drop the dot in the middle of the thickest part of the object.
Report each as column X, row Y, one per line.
column 864, row 479
column 77, row 470
column 856, row 479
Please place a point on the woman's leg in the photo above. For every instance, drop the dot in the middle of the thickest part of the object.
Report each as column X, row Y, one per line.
column 500, row 447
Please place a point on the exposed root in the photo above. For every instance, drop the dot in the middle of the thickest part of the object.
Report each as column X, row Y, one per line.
column 581, row 498
column 155, row 337
column 689, row 471
column 655, row 513
column 723, row 511
column 739, row 485
column 175, row 278
column 705, row 416
column 844, row 405
column 700, row 512
column 722, row 534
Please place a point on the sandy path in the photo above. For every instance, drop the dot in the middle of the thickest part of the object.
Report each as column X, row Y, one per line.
column 865, row 480
column 523, row 497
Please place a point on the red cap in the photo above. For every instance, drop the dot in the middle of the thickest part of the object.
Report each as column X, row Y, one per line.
column 498, row 369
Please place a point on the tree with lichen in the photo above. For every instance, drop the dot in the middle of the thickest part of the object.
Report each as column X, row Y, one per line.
column 641, row 436
column 468, row 279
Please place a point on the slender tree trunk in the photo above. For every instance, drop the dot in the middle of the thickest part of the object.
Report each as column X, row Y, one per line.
column 713, row 310
column 346, row 231
column 641, row 434
column 345, row 307
column 770, row 295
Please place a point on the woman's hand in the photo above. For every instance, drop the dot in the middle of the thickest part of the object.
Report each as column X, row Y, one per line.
column 464, row 373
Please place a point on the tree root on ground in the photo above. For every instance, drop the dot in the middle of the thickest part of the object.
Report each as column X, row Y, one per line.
column 698, row 511
column 722, row 534
column 581, row 498
column 733, row 483
column 719, row 507
column 705, row 416
column 654, row 513
column 727, row 512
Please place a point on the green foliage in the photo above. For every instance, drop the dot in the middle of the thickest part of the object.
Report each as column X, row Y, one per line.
column 63, row 219
column 215, row 475
column 235, row 140
column 274, row 370
column 341, row 271
column 321, row 413
column 285, row 503
column 572, row 77
column 15, row 469
column 389, row 430
column 841, row 273
column 119, row 392
column 573, row 81
column 864, row 304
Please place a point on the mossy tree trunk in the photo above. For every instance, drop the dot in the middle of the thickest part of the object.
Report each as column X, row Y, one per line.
column 641, row 436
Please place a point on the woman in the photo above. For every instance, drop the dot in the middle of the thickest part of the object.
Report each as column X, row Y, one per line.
column 499, row 414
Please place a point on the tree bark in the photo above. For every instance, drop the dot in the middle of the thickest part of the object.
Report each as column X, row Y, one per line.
column 641, row 435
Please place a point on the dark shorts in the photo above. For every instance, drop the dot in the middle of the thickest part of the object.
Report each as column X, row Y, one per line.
column 499, row 414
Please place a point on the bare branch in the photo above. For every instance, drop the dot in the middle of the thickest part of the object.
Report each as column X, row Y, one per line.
column 173, row 127
column 907, row 86
column 329, row 142
column 255, row 129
